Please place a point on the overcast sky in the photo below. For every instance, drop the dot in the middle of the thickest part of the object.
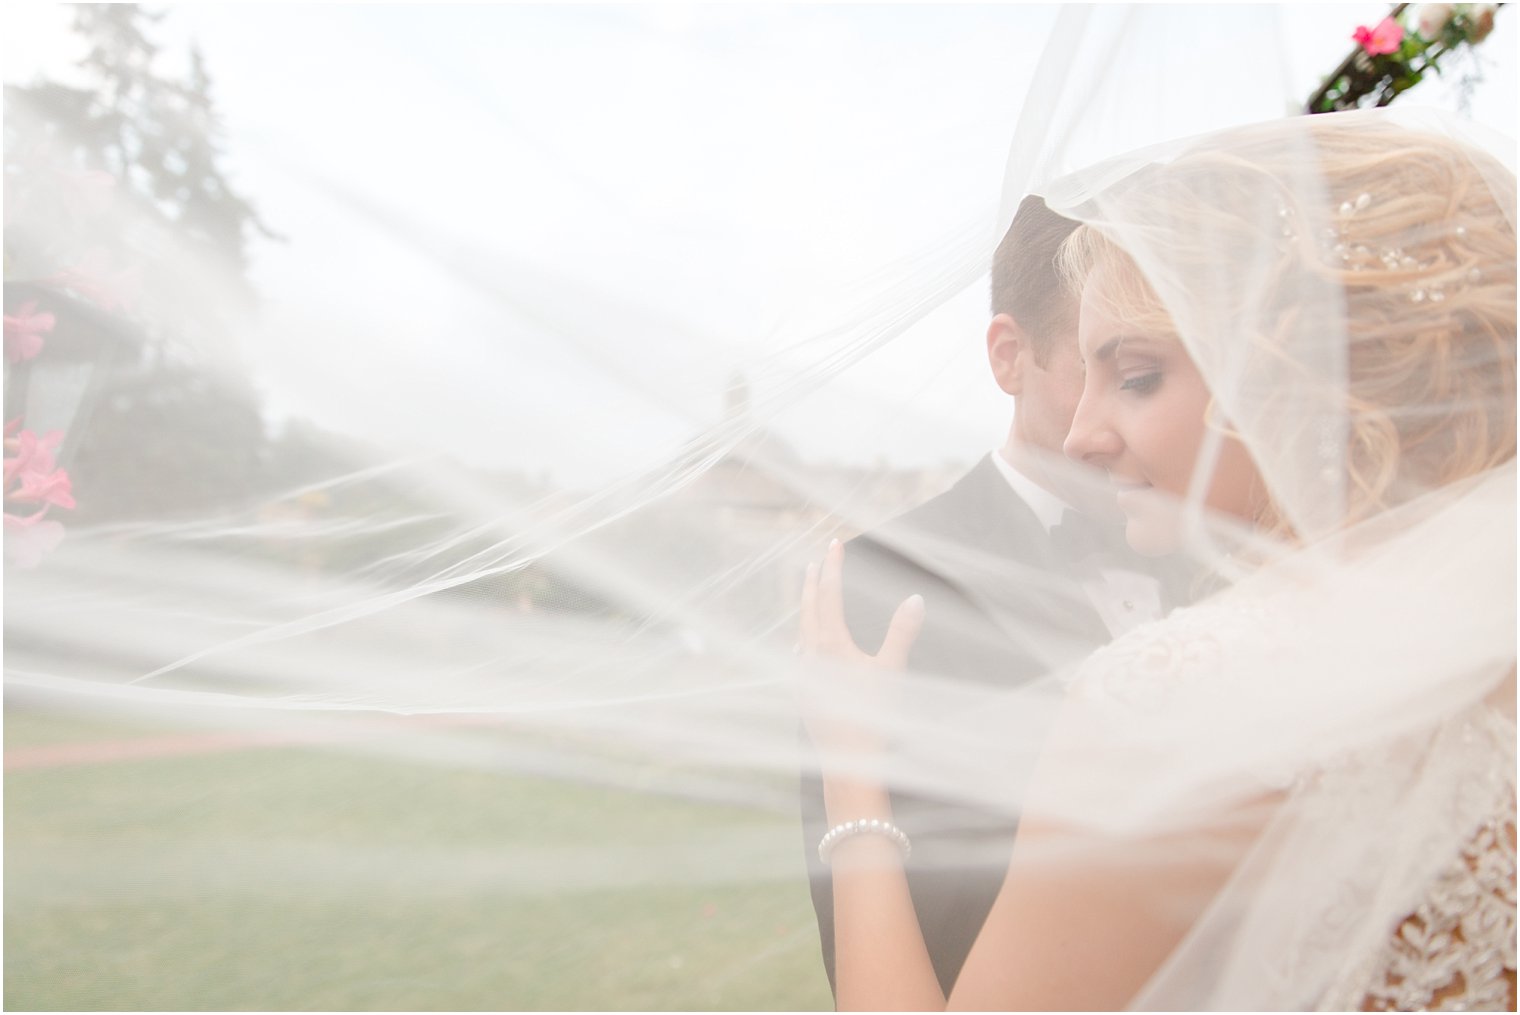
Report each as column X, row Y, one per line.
column 544, row 237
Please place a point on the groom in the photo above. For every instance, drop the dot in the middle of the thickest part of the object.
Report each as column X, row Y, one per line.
column 1018, row 577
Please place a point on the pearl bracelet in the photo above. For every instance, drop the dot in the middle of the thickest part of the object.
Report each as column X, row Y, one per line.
column 871, row 826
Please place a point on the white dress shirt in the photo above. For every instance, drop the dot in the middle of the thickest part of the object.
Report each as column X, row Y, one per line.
column 1123, row 598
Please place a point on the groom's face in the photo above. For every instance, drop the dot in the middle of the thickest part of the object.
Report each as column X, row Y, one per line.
column 1050, row 393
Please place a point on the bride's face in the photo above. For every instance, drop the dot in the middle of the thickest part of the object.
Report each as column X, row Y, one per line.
column 1141, row 418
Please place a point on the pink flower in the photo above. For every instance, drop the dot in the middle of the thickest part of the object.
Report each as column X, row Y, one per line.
column 46, row 488
column 26, row 452
column 32, row 475
column 24, row 331
column 30, row 538
column 1385, row 38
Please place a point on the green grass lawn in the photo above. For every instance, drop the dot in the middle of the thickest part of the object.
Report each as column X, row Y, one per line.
column 304, row 878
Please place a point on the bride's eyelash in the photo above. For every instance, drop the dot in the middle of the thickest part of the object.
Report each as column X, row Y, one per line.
column 1142, row 384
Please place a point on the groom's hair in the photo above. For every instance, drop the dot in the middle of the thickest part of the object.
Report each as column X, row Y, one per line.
column 1025, row 284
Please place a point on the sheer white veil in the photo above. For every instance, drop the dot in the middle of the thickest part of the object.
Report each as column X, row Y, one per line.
column 1345, row 286
column 422, row 629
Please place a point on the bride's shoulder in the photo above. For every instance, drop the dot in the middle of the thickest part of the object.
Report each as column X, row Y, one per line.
column 1191, row 645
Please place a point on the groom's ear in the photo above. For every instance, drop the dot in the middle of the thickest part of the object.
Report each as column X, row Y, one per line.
column 1008, row 353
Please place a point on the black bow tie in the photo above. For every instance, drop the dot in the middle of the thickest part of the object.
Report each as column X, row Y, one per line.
column 1077, row 536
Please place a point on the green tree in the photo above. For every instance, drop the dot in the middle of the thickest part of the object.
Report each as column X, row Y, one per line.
column 121, row 220
column 154, row 141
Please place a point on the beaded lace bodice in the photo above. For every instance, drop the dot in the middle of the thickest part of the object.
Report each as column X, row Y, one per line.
column 1449, row 946
column 1456, row 950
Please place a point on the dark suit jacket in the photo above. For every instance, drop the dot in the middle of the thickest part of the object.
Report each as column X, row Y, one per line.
column 964, row 551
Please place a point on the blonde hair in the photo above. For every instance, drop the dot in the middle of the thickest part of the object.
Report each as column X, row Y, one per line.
column 1398, row 233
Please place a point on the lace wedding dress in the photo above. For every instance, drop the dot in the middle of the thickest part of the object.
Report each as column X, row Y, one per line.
column 1456, row 950
column 1386, row 878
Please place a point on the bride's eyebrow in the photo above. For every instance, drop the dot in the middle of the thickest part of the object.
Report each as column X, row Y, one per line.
column 1112, row 346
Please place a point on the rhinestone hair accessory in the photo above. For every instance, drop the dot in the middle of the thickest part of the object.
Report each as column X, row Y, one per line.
column 1359, row 257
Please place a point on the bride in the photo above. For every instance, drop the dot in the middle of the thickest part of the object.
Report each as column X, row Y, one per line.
column 1299, row 343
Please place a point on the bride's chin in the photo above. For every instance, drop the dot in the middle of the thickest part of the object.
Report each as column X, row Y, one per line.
column 1153, row 533
column 1149, row 541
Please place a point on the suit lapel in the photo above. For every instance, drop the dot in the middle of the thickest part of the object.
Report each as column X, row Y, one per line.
column 1000, row 557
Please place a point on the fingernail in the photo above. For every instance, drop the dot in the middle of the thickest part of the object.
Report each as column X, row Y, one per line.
column 916, row 601
column 833, row 543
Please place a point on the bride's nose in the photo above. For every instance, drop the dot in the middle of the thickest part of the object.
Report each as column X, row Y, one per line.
column 1091, row 438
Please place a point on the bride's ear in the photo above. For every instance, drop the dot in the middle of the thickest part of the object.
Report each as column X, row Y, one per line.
column 1007, row 353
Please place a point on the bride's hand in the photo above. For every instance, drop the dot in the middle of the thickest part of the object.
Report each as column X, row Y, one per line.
column 844, row 699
